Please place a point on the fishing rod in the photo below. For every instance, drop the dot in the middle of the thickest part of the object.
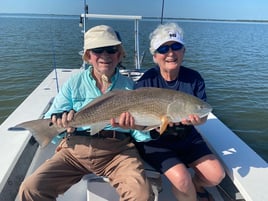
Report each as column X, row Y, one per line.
column 162, row 12
column 54, row 60
column 55, row 69
column 82, row 24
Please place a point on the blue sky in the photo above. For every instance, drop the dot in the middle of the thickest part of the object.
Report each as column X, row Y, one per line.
column 212, row 9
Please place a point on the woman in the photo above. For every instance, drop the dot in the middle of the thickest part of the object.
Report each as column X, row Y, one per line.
column 181, row 146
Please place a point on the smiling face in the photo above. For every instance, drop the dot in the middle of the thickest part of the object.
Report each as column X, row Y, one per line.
column 170, row 61
column 103, row 62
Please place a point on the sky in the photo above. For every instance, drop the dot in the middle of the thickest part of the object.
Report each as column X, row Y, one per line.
column 202, row 9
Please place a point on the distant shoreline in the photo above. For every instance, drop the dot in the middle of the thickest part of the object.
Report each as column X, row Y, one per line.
column 203, row 19
column 149, row 18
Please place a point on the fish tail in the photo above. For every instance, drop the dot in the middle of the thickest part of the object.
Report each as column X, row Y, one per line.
column 42, row 130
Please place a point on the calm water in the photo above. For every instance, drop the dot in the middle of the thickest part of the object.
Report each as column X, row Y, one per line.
column 232, row 57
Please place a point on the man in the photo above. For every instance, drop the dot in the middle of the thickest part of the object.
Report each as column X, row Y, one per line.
column 110, row 152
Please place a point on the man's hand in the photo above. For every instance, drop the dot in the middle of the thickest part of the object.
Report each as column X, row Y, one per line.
column 126, row 121
column 62, row 120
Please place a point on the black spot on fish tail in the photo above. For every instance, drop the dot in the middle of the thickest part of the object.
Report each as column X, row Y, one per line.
column 16, row 129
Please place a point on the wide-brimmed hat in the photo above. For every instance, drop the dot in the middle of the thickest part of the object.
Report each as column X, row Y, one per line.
column 100, row 36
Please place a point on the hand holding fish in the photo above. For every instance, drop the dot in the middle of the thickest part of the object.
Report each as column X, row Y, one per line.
column 194, row 120
column 126, row 121
column 63, row 120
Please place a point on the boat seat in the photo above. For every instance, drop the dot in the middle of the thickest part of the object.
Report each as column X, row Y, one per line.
column 108, row 193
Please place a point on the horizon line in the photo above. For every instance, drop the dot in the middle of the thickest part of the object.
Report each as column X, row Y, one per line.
column 150, row 17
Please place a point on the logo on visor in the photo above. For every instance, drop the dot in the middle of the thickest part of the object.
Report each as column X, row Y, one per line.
column 171, row 35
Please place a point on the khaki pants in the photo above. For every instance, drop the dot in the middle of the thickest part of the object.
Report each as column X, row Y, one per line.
column 80, row 155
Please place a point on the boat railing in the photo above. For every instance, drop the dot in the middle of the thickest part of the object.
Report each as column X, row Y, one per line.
column 13, row 143
column 246, row 169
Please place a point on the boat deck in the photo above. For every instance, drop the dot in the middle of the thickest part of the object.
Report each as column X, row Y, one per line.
column 243, row 166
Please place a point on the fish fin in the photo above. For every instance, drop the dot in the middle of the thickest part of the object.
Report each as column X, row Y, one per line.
column 95, row 128
column 164, row 123
column 170, row 111
column 41, row 129
column 149, row 128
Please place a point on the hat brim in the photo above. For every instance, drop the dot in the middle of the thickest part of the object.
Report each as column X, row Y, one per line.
column 168, row 40
column 97, row 44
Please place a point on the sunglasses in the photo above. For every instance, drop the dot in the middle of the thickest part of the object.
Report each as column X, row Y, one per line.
column 109, row 50
column 165, row 48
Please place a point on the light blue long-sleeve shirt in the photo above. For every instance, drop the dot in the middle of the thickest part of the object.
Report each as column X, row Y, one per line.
column 81, row 89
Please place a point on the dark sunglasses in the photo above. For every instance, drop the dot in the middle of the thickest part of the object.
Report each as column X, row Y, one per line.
column 109, row 50
column 165, row 48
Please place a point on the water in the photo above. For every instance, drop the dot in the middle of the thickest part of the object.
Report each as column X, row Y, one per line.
column 232, row 57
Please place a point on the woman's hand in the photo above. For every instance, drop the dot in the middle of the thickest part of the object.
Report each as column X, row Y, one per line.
column 194, row 120
column 127, row 121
